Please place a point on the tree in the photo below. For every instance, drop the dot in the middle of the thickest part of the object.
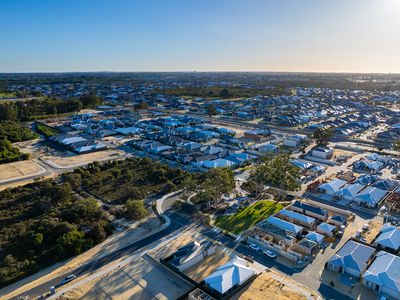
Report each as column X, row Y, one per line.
column 396, row 145
column 141, row 105
column 38, row 239
column 224, row 94
column 189, row 185
column 8, row 112
column 213, row 184
column 74, row 179
column 90, row 100
column 211, row 110
column 279, row 172
column 71, row 243
column 135, row 209
column 323, row 136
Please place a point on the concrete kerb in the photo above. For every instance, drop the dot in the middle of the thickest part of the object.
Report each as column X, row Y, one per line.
column 162, row 199
column 126, row 261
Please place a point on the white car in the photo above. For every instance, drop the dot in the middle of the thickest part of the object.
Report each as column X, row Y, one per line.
column 66, row 280
column 254, row 247
column 269, row 254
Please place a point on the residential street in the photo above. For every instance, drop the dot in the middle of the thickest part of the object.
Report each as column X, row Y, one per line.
column 177, row 222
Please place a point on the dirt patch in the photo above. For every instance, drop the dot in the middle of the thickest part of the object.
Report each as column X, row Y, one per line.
column 267, row 287
column 373, row 231
column 208, row 265
column 19, row 169
column 166, row 250
column 73, row 160
column 141, row 279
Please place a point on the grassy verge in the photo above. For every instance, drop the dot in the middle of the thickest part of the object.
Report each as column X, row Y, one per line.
column 248, row 216
column 47, row 131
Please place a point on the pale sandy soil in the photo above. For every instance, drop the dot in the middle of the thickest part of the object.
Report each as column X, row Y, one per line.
column 72, row 160
column 207, row 266
column 143, row 279
column 88, row 110
column 19, row 169
column 113, row 243
column 166, row 250
column 373, row 231
column 266, row 286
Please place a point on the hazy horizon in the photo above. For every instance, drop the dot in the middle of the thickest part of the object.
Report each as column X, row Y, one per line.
column 310, row 36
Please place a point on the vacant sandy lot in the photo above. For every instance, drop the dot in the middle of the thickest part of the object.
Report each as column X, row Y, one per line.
column 19, row 169
column 142, row 279
column 166, row 250
column 74, row 160
column 267, row 287
column 206, row 267
column 373, row 231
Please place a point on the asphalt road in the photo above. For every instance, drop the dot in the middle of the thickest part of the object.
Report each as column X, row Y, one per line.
column 177, row 222
column 326, row 291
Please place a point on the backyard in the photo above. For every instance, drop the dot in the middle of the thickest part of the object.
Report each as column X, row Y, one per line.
column 248, row 216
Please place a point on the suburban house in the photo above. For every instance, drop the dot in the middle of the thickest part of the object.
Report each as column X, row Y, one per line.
column 230, row 276
column 315, row 237
column 383, row 275
column 332, row 188
column 388, row 238
column 294, row 140
column 337, row 220
column 322, row 152
column 369, row 166
column 310, row 210
column 295, row 217
column 353, row 258
column 268, row 148
column 282, row 224
column 326, row 229
column 370, row 197
column 350, row 191
column 191, row 254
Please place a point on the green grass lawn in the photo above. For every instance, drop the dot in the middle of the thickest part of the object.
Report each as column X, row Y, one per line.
column 46, row 130
column 248, row 216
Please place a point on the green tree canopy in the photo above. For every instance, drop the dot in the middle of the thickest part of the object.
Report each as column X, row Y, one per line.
column 211, row 110
column 323, row 136
column 135, row 209
column 278, row 172
column 90, row 100
column 141, row 105
column 396, row 146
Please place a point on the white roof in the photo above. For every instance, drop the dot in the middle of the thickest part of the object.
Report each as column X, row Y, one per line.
column 71, row 140
column 235, row 272
column 351, row 190
column 284, row 224
column 128, row 130
column 216, row 163
column 333, row 186
column 326, row 227
column 371, row 196
column 389, row 237
column 297, row 216
column 384, row 271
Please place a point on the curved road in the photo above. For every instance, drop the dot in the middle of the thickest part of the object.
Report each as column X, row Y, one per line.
column 177, row 222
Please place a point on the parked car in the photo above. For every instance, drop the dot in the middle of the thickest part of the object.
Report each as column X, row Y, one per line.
column 269, row 254
column 255, row 247
column 67, row 279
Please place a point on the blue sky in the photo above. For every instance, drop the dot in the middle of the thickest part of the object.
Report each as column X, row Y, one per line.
column 201, row 35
